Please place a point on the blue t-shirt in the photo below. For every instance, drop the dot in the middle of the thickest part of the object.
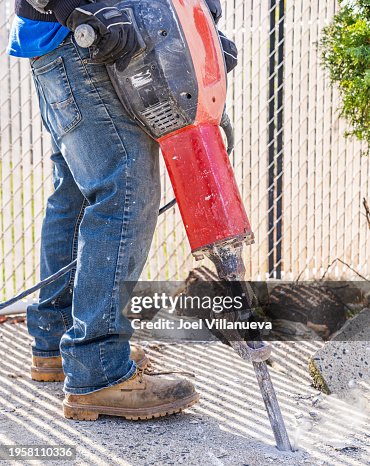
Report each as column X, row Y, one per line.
column 29, row 38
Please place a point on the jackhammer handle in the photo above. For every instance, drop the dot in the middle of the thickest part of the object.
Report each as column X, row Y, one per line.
column 86, row 36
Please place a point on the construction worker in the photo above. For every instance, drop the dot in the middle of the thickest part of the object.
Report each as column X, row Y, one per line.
column 102, row 212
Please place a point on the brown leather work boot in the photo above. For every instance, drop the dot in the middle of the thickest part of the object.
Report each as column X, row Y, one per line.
column 47, row 369
column 139, row 398
column 50, row 369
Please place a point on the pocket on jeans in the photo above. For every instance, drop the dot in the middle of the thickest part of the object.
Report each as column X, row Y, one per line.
column 64, row 114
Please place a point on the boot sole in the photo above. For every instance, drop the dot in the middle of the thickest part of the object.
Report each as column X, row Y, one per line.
column 47, row 374
column 57, row 375
column 91, row 413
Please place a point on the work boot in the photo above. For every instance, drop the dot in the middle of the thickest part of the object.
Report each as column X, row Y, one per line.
column 141, row 397
column 47, row 369
column 50, row 369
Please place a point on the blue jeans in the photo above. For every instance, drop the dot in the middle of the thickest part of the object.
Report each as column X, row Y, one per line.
column 103, row 212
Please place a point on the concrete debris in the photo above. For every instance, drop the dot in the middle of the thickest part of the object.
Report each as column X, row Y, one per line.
column 287, row 330
column 342, row 361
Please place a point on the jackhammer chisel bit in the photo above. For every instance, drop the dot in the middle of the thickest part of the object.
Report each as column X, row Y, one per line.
column 230, row 268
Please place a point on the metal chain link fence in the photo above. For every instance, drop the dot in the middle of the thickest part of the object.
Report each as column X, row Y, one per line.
column 302, row 182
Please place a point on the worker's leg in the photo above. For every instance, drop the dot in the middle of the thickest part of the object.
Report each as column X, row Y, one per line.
column 52, row 317
column 48, row 320
column 115, row 165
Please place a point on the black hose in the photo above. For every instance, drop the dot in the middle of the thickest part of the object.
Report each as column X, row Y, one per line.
column 43, row 283
column 62, row 271
column 163, row 209
column 229, row 132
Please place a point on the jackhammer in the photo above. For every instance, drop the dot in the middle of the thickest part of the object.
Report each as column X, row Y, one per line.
column 175, row 89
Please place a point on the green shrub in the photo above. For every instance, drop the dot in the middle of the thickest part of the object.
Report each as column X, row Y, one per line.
column 345, row 49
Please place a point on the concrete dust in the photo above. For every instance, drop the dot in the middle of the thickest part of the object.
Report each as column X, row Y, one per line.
column 325, row 422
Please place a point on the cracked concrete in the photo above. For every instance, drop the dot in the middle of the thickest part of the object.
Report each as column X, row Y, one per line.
column 343, row 361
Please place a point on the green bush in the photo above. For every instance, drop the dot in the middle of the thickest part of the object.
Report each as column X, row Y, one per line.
column 345, row 49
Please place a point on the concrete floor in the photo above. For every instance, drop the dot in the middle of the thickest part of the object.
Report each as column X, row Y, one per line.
column 228, row 427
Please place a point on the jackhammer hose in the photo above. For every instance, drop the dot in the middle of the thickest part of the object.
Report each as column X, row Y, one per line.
column 229, row 132
column 62, row 271
column 43, row 283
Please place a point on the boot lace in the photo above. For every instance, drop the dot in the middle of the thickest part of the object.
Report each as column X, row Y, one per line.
column 150, row 371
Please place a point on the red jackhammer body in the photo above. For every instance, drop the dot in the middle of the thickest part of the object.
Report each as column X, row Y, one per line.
column 195, row 156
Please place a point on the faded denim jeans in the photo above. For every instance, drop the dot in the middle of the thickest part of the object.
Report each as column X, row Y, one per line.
column 103, row 212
